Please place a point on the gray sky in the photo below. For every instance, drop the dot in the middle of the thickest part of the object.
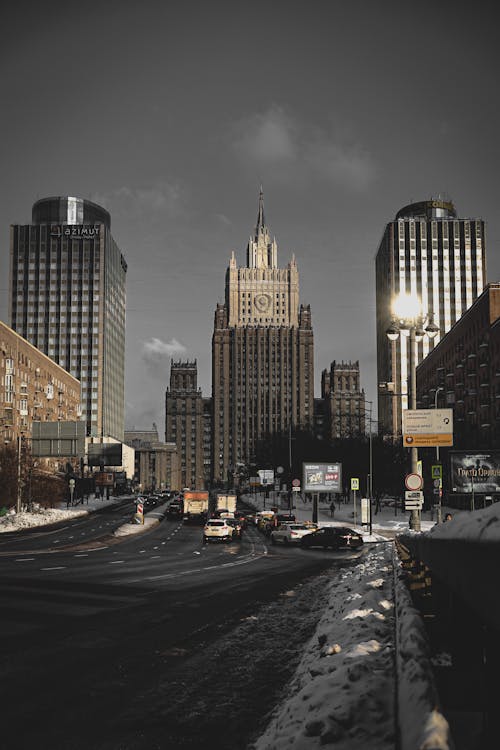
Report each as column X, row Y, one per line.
column 171, row 115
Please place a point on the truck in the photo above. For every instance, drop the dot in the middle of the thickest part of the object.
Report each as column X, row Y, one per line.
column 195, row 506
column 225, row 504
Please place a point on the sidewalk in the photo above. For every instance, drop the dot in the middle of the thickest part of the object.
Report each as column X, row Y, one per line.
column 385, row 524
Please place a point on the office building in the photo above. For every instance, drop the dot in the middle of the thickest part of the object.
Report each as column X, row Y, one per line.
column 262, row 355
column 67, row 297
column 344, row 400
column 430, row 252
column 188, row 425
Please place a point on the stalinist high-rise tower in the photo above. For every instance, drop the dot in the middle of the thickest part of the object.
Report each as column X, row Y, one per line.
column 262, row 354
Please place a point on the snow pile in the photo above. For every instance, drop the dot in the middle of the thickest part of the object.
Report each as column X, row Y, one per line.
column 478, row 525
column 46, row 516
column 343, row 691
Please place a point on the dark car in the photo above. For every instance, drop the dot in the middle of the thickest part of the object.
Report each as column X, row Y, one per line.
column 175, row 509
column 336, row 537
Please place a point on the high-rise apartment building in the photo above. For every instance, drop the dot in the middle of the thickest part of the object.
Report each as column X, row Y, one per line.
column 344, row 400
column 430, row 252
column 188, row 425
column 262, row 355
column 67, row 298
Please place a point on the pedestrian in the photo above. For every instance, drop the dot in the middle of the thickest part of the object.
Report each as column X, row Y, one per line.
column 332, row 509
column 448, row 517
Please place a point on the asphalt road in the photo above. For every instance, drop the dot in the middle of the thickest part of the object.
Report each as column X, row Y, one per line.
column 158, row 641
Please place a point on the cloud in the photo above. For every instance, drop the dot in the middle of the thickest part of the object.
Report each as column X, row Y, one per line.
column 161, row 197
column 348, row 166
column 156, row 355
column 302, row 151
column 266, row 137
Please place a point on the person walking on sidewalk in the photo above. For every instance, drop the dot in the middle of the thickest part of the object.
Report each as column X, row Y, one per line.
column 332, row 508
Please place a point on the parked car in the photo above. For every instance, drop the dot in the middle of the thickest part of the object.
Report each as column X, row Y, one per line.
column 336, row 537
column 290, row 533
column 218, row 530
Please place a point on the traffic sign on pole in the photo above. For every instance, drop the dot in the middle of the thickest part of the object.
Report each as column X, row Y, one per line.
column 413, row 482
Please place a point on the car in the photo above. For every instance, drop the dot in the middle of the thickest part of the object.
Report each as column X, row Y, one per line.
column 290, row 533
column 218, row 530
column 336, row 537
column 175, row 509
column 285, row 518
column 237, row 525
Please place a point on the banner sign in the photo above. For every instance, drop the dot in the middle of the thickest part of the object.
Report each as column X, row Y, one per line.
column 475, row 472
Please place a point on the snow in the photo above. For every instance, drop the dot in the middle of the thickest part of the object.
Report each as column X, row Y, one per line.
column 365, row 678
column 45, row 516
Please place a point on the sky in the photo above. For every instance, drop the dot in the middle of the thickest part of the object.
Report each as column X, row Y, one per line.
column 172, row 115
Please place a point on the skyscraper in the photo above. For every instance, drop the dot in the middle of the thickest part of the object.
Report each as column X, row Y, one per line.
column 427, row 251
column 67, row 298
column 344, row 400
column 187, row 424
column 262, row 355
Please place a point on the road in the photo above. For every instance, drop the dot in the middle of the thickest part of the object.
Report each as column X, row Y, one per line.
column 158, row 641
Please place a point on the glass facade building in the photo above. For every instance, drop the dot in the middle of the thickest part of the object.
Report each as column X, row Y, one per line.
column 67, row 298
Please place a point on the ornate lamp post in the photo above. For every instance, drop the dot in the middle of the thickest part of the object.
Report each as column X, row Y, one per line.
column 409, row 319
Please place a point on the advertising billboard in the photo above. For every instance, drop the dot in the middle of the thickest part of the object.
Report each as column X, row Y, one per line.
column 57, row 439
column 105, row 454
column 322, row 477
column 475, row 472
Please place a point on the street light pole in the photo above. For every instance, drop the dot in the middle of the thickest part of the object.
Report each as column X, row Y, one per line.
column 19, row 460
column 415, row 514
column 409, row 317
column 440, row 510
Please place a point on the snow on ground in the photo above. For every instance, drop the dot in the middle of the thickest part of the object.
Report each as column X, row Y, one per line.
column 365, row 679
column 45, row 516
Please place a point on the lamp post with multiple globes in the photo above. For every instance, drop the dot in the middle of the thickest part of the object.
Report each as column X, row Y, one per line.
column 409, row 319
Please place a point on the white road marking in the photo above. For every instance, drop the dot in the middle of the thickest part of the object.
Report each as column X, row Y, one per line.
column 58, row 567
column 80, row 555
column 115, row 562
column 24, row 559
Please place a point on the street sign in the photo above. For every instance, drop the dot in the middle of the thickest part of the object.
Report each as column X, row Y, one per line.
column 140, row 508
column 354, row 483
column 295, row 482
column 427, row 427
column 414, row 495
column 436, row 471
column 414, row 504
column 413, row 482
column 296, row 489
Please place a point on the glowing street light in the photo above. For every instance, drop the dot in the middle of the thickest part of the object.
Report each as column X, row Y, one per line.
column 409, row 320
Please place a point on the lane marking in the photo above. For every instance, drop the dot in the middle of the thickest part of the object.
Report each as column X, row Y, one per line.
column 57, row 567
column 116, row 562
column 24, row 559
column 80, row 555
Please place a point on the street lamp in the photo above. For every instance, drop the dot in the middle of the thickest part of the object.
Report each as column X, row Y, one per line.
column 439, row 388
column 409, row 320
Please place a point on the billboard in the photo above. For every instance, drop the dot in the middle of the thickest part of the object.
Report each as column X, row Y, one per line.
column 105, row 454
column 57, row 439
column 322, row 477
column 427, row 428
column 475, row 472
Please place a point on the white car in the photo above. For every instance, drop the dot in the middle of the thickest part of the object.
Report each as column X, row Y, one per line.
column 217, row 530
column 290, row 533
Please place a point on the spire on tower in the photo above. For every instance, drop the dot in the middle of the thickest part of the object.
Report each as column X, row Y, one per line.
column 261, row 222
